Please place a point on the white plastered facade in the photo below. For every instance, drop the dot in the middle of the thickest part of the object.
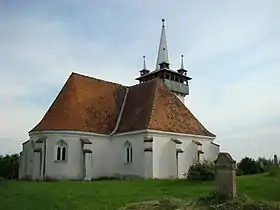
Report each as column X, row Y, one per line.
column 155, row 154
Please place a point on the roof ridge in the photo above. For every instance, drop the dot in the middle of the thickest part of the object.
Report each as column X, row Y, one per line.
column 154, row 99
column 121, row 112
column 100, row 80
column 144, row 83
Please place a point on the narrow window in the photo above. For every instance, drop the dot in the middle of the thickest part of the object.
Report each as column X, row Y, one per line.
column 63, row 153
column 127, row 155
column 130, row 160
column 128, row 152
column 58, row 153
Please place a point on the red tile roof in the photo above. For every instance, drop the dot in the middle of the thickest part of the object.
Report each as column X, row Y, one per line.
column 84, row 104
column 170, row 114
column 138, row 107
column 92, row 105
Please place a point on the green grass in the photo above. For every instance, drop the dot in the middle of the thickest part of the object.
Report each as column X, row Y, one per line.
column 115, row 194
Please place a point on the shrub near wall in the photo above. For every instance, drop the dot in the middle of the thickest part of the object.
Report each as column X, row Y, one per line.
column 202, row 171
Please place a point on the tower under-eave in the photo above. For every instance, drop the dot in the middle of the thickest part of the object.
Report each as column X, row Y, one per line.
column 176, row 81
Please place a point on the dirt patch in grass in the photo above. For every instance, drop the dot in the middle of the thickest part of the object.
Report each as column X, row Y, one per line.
column 214, row 201
column 162, row 204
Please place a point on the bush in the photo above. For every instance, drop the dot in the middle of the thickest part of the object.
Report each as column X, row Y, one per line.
column 239, row 172
column 204, row 171
column 9, row 166
column 249, row 166
column 274, row 171
column 265, row 164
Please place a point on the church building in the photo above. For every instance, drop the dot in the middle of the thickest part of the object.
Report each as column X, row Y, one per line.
column 95, row 128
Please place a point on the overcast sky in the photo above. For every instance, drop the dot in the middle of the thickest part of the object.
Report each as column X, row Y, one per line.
column 231, row 50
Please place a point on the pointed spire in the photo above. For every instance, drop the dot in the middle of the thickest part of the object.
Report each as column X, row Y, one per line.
column 182, row 70
column 144, row 64
column 144, row 70
column 182, row 61
column 162, row 51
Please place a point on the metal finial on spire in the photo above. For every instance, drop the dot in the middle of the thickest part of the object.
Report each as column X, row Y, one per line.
column 182, row 61
column 144, row 64
column 162, row 50
column 163, row 20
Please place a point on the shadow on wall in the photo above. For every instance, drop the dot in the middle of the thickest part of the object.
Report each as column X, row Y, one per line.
column 189, row 157
column 118, row 177
column 166, row 161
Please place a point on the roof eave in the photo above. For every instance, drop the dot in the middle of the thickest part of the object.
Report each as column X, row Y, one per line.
column 169, row 70
column 67, row 132
column 182, row 133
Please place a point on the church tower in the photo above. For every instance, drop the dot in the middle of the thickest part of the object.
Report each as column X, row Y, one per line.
column 176, row 81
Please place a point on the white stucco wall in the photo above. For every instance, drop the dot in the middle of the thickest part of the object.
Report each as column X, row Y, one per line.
column 164, row 154
column 36, row 166
column 21, row 166
column 72, row 168
column 22, row 163
column 108, row 155
column 118, row 164
column 26, row 162
column 164, row 157
column 148, row 164
column 211, row 150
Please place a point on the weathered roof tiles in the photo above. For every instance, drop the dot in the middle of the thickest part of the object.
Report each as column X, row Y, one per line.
column 93, row 105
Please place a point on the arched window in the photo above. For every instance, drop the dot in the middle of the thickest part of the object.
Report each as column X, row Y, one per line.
column 61, row 151
column 128, row 152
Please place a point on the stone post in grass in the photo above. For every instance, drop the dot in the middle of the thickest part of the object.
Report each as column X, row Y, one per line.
column 275, row 160
column 225, row 175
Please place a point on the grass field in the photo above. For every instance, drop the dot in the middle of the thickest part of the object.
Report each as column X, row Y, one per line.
column 115, row 194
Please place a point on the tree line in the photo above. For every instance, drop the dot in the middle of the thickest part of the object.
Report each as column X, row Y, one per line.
column 9, row 166
column 204, row 171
